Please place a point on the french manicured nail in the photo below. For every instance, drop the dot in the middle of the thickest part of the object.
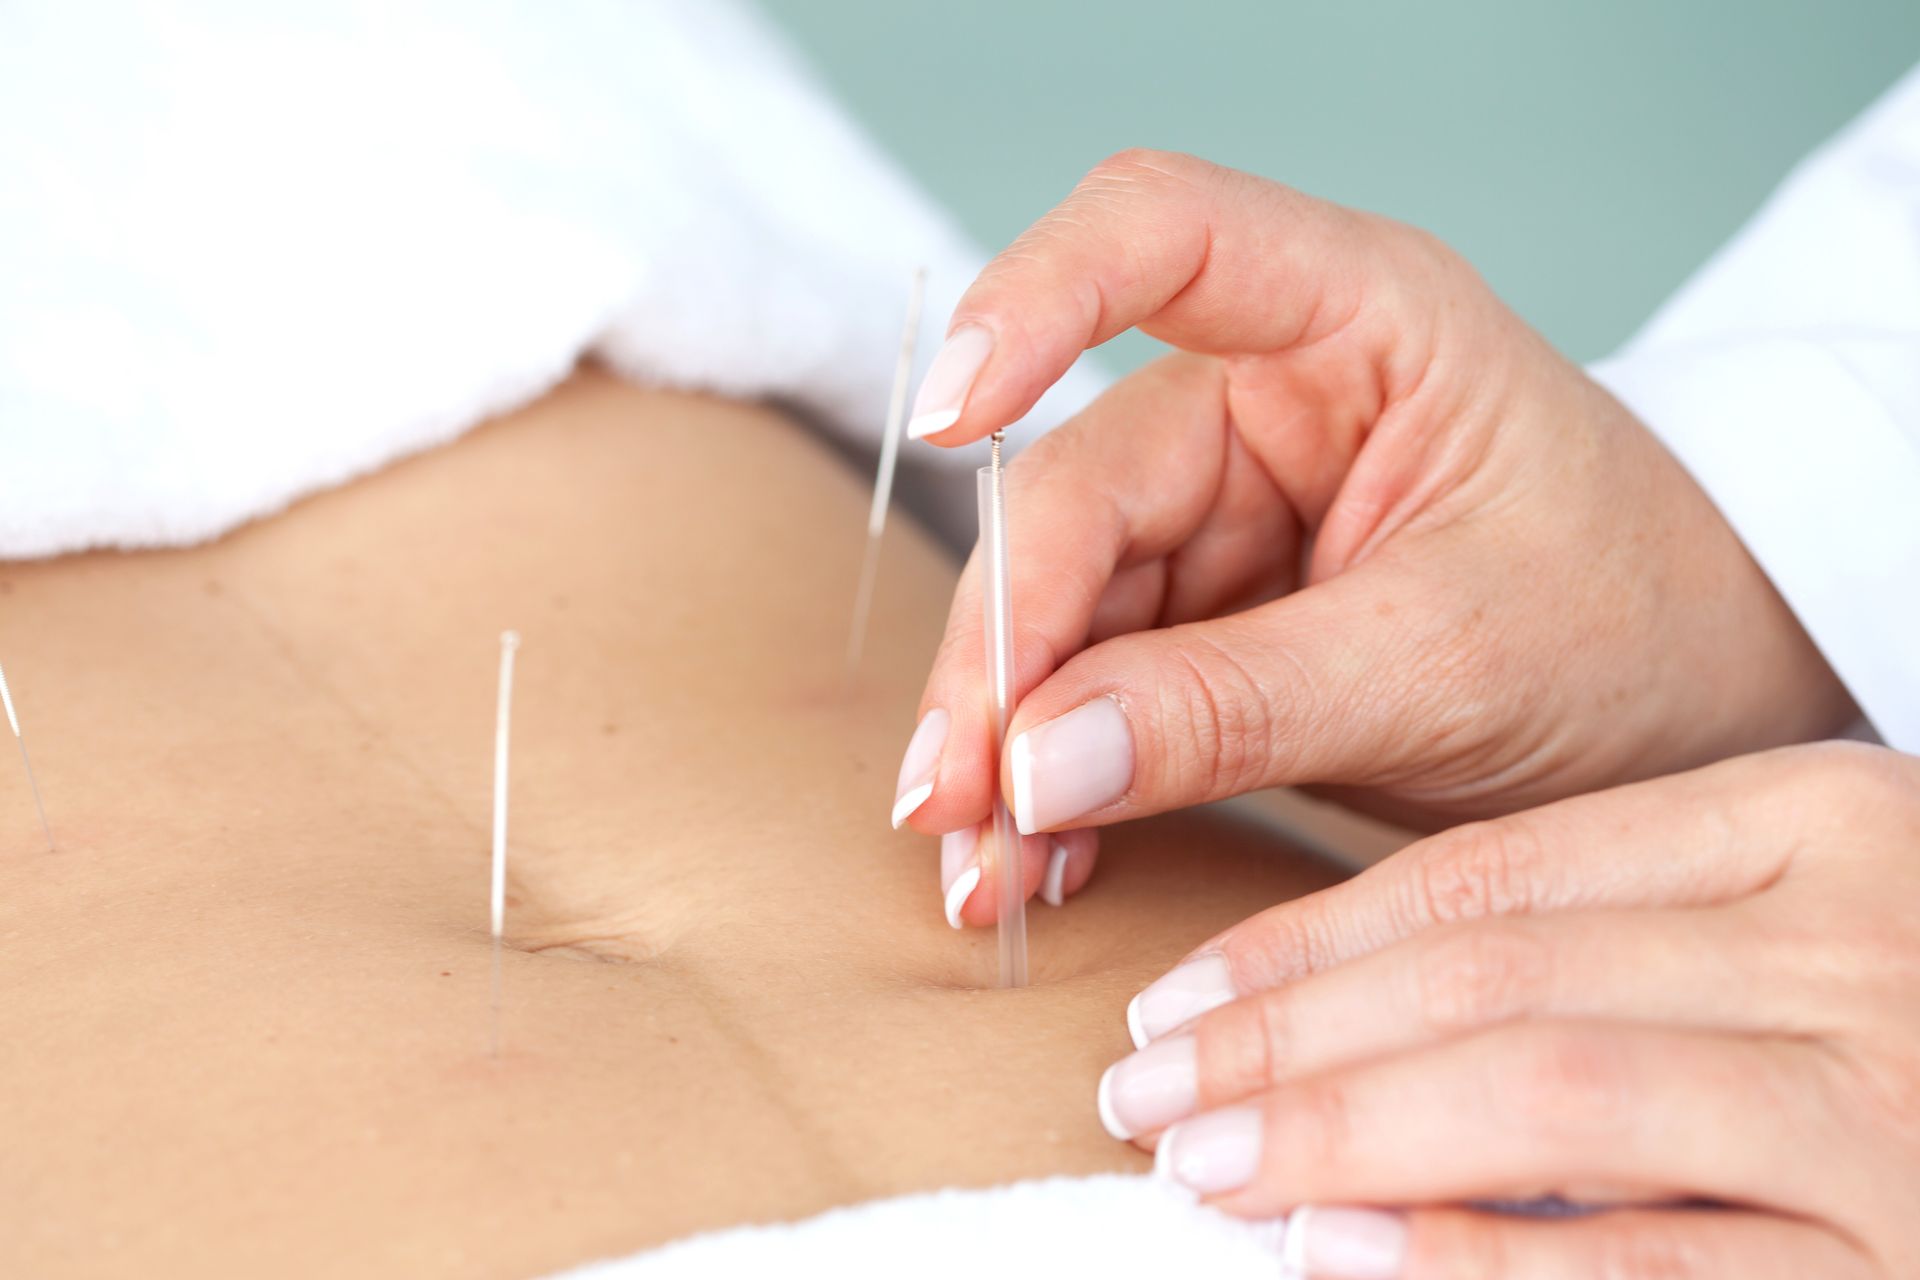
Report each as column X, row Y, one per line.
column 1150, row 1089
column 959, row 870
column 1053, row 885
column 949, row 379
column 1178, row 997
column 1213, row 1153
column 1071, row 765
column 1353, row 1244
column 919, row 765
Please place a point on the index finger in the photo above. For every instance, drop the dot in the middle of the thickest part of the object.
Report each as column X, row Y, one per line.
column 1077, row 515
column 1695, row 839
column 1208, row 259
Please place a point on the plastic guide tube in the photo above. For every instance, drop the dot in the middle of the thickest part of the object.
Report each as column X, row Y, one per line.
column 997, row 600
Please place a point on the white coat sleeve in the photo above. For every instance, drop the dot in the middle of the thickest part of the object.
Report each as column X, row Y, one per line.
column 1785, row 376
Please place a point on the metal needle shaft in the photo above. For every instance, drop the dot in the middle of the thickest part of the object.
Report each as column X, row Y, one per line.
column 502, row 727
column 883, row 482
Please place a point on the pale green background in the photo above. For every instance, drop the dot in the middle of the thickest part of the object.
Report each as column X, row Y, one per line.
column 1585, row 156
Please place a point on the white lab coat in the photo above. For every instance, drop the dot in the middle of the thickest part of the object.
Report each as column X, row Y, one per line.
column 1785, row 376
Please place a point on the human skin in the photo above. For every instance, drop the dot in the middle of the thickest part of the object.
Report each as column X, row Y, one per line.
column 1369, row 531
column 1690, row 999
column 1366, row 530
column 244, row 1015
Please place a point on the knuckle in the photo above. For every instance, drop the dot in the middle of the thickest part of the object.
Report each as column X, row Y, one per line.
column 1320, row 1124
column 1844, row 770
column 1477, row 870
column 1131, row 164
column 955, row 649
column 1564, row 1085
column 1851, row 790
column 1423, row 248
column 1648, row 1251
column 1458, row 1246
column 1226, row 739
column 1874, row 952
column 1884, row 1092
column 1242, row 1047
column 1481, row 975
column 1275, row 1035
column 1283, row 945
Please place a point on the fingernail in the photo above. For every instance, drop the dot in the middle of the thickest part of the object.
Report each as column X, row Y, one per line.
column 1353, row 1244
column 1213, row 1153
column 1071, row 765
column 1150, row 1089
column 1053, row 885
column 1178, row 997
column 920, row 763
column 949, row 378
column 959, row 870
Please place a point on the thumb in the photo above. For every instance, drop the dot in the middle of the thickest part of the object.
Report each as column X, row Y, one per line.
column 1284, row 694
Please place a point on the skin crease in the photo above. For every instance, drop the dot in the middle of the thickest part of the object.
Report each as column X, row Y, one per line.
column 243, row 1022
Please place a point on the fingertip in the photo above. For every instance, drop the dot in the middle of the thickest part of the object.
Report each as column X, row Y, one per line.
column 1022, row 767
column 1053, row 885
column 950, row 381
column 1083, row 854
column 932, row 424
column 1103, row 1103
column 1069, row 864
column 904, row 807
column 957, row 894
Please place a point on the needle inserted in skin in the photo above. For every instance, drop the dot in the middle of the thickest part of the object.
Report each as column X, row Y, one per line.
column 33, row 785
column 503, row 723
column 883, row 482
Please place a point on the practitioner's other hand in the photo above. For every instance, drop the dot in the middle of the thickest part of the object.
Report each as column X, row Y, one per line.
column 1692, row 999
column 1368, row 530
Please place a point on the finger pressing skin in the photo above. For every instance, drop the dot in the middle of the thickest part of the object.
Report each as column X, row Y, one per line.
column 1341, row 1243
column 1079, row 516
column 1071, row 856
column 1052, row 867
column 1712, row 836
column 1577, row 1110
column 1177, row 246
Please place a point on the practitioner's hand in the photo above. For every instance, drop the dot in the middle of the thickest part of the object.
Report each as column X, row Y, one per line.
column 1377, row 534
column 1702, row 988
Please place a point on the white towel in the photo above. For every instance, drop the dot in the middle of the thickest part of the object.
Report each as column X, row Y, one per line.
column 1111, row 1225
column 247, row 252
column 250, row 251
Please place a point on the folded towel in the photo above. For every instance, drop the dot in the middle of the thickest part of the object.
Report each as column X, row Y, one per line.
column 1110, row 1225
column 251, row 251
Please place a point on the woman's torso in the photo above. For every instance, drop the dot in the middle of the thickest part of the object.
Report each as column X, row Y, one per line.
column 244, row 1022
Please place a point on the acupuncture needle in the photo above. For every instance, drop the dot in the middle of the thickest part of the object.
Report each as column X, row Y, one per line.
column 1010, row 868
column 502, row 727
column 883, row 481
column 33, row 785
